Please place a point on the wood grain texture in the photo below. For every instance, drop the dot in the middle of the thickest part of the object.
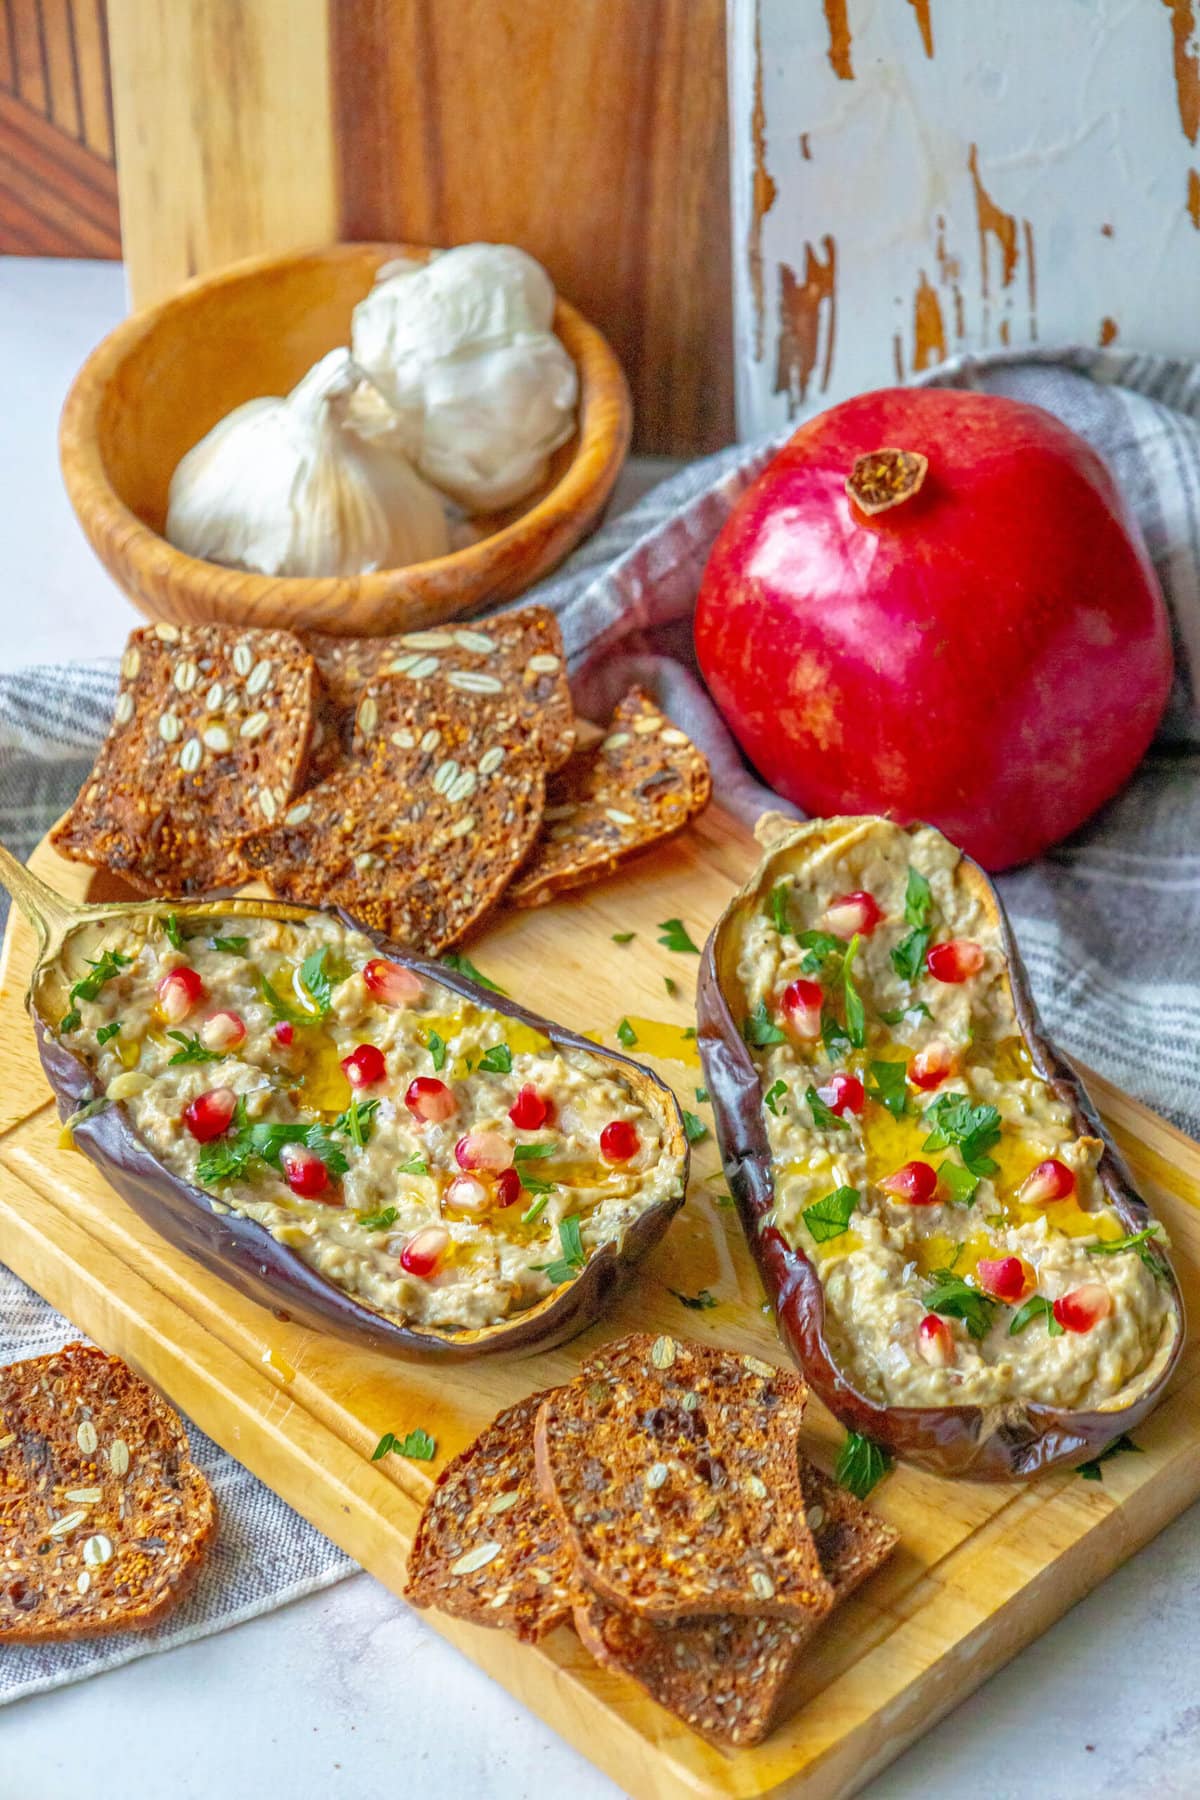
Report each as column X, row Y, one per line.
column 58, row 189
column 981, row 1569
column 223, row 129
column 164, row 378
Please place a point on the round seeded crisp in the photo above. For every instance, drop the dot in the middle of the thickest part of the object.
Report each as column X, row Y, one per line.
column 638, row 786
column 672, row 1470
column 487, row 1548
column 512, row 658
column 207, row 744
column 727, row 1677
column 418, row 834
column 105, row 1520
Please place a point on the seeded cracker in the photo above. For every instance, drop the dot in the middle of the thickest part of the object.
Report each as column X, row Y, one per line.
column 418, row 834
column 105, row 1520
column 517, row 657
column 639, row 785
column 727, row 1677
column 672, row 1470
column 487, row 1548
column 207, row 745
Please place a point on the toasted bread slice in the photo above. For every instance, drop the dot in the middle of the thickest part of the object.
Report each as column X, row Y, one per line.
column 672, row 1471
column 105, row 1521
column 488, row 1549
column 728, row 1677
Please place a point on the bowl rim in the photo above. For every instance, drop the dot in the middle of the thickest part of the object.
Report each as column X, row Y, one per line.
column 603, row 430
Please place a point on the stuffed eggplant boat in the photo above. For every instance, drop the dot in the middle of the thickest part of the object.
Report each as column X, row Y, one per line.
column 359, row 1139
column 956, row 1255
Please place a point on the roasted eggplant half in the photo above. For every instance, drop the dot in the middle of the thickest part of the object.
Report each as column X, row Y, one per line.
column 953, row 1247
column 360, row 1140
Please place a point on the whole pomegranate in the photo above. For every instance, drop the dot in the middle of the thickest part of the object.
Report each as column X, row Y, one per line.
column 934, row 605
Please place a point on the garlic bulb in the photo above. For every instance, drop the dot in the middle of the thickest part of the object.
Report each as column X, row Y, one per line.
column 279, row 486
column 462, row 350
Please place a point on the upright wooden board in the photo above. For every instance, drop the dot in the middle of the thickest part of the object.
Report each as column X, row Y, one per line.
column 981, row 1570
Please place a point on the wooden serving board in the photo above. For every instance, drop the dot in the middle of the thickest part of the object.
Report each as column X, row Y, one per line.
column 981, row 1569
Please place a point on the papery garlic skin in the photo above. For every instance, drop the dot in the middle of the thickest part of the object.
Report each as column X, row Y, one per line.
column 280, row 487
column 463, row 351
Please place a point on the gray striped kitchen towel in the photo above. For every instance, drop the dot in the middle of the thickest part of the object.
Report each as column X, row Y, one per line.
column 1109, row 921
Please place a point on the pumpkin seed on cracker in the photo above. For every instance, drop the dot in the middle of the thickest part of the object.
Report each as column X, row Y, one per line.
column 639, row 785
column 207, row 745
column 105, row 1521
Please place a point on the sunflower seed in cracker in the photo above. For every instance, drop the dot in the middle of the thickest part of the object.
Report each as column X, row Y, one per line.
column 638, row 785
column 208, row 743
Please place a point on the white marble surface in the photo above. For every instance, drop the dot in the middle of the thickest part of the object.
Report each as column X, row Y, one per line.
column 348, row 1692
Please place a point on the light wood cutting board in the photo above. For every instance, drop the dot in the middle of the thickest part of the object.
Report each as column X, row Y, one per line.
column 981, row 1570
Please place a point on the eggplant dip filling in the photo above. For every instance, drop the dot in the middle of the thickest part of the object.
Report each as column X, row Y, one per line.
column 966, row 1247
column 440, row 1161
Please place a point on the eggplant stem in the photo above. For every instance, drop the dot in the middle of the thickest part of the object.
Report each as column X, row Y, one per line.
column 46, row 910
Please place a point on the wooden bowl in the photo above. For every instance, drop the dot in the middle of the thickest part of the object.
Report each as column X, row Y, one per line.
column 162, row 379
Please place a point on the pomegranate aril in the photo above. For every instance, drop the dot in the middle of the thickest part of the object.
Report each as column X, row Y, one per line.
column 915, row 1183
column 429, row 1099
column 956, row 961
column 284, row 1032
column 467, row 1194
column 1083, row 1307
column 424, row 1253
column 802, row 1001
column 1051, row 1180
column 304, row 1171
column 391, row 983
column 529, row 1112
column 619, row 1141
column 931, row 1066
column 179, row 993
column 935, row 1343
column 489, row 1150
column 1006, row 1278
column 364, row 1067
column 208, row 1116
column 223, row 1031
column 508, row 1188
column 843, row 1094
column 852, row 915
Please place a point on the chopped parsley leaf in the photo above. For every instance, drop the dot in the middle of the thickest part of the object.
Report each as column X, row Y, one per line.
column 951, row 1296
column 228, row 1159
column 702, row 1095
column 918, row 898
column 170, row 924
column 833, row 1036
column 496, row 1061
column 778, row 904
column 856, row 1014
column 823, row 1116
column 462, row 965
column 916, row 1009
column 378, row 1221
column 889, row 1086
column 959, row 1184
column 695, row 1130
column 1092, row 1471
column 573, row 1254
column 623, row 937
column 416, row 1165
column 315, row 980
column 106, row 1032
column 861, row 1464
column 819, row 947
column 530, row 1152
column 773, row 1096
column 1036, row 1307
column 759, row 1029
column 1140, row 1242
column 538, row 1207
column 232, row 946
column 103, row 968
column 908, row 956
column 830, row 1217
column 675, row 937
column 974, row 1128
column 533, row 1185
column 193, row 1050
column 704, row 1301
column 671, row 985
column 626, row 1034
column 436, row 1046
column 357, row 1121
column 417, row 1445
column 283, row 1009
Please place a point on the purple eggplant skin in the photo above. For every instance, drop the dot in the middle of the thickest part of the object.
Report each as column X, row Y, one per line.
column 244, row 1254
column 1015, row 1441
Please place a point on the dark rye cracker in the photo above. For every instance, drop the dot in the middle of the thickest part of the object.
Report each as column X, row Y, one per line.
column 105, row 1521
column 638, row 786
column 515, row 657
column 487, row 1548
column 207, row 744
column 420, row 832
column 672, row 1471
column 728, row 1677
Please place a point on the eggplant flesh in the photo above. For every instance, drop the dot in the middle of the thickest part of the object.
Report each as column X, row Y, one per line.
column 895, row 1397
column 241, row 1250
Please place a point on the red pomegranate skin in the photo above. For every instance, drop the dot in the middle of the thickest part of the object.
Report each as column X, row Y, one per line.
column 991, row 656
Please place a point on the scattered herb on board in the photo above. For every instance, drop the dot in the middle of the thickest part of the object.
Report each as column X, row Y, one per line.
column 829, row 1218
column 702, row 1096
column 773, row 1096
column 889, row 1086
column 856, row 1012
column 1092, row 1471
column 1140, row 1242
column 107, row 1032
column 497, row 1060
column 232, row 946
column 759, row 1029
column 671, row 985
column 103, row 968
column 951, row 1296
column 416, row 1165
column 357, row 1121
column 623, row 937
column 960, row 1185
column 626, row 1034
column 823, row 1117
column 861, row 1465
column 436, row 1046
column 573, row 1255
column 192, row 1050
column 974, row 1128
column 694, row 1129
column 675, row 937
column 538, row 1207
column 170, row 924
column 417, row 1445
column 704, row 1301
column 531, row 1152
column 1037, row 1306
column 462, row 965
column 378, row 1221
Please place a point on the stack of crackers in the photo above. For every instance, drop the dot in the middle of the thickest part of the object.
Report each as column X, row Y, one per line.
column 412, row 780
column 660, row 1504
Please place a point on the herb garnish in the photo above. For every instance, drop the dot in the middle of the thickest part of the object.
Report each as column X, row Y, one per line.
column 1037, row 1306
column 823, row 1117
column 416, row 1165
column 702, row 1095
column 170, row 924
column 312, row 980
column 436, row 1046
column 695, row 1130
column 533, row 1185
column 497, row 1060
column 230, row 1158
column 960, row 1185
column 819, row 948
column 861, row 1464
column 759, row 1029
column 774, row 1095
column 975, row 1129
column 378, row 1221
column 626, row 1034
column 232, row 946
column 530, row 1152
column 1140, row 1243
column 889, row 1086
column 778, row 904
column 833, row 1036
column 856, row 1014
column 671, row 985
column 623, row 937
column 955, row 1299
column 418, row 1445
column 357, row 1121
column 573, row 1254
column 462, row 965
column 830, row 1217
column 675, row 937
column 1091, row 1471
column 103, row 968
column 108, row 1031
column 539, row 1206
column 701, row 1302
column 193, row 1050
column 916, row 1009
